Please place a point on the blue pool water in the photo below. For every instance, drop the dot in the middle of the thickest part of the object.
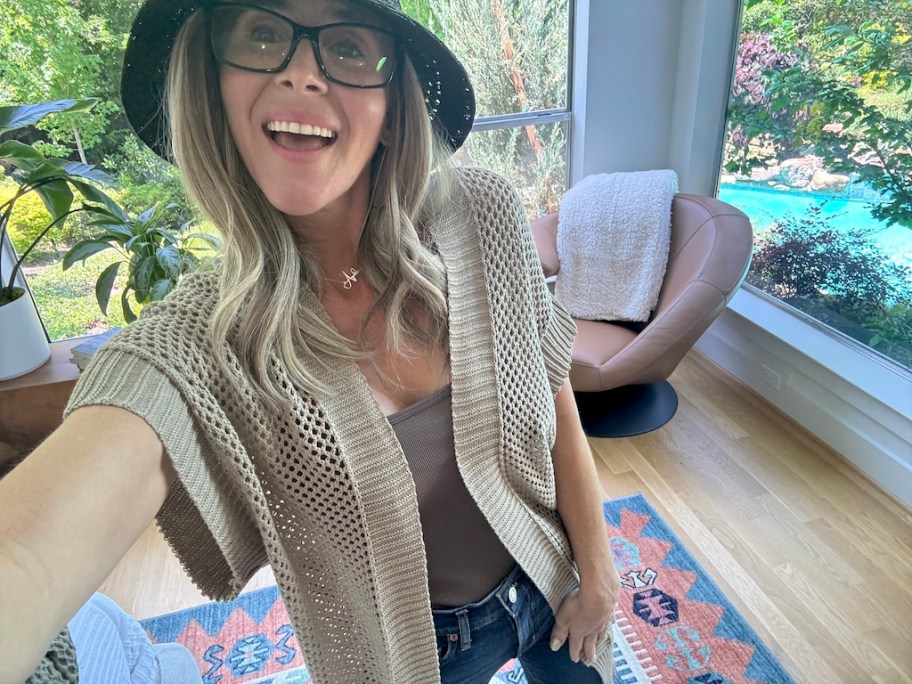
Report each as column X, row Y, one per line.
column 765, row 206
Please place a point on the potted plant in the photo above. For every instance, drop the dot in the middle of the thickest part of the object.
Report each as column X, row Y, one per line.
column 23, row 342
column 157, row 254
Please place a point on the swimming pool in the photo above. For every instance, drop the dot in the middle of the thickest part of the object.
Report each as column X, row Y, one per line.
column 764, row 206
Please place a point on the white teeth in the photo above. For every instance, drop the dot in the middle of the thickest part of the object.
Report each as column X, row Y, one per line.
column 299, row 129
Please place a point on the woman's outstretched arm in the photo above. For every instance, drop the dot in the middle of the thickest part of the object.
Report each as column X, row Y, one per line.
column 583, row 617
column 68, row 513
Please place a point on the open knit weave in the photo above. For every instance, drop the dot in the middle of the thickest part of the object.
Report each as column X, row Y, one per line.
column 58, row 666
column 323, row 492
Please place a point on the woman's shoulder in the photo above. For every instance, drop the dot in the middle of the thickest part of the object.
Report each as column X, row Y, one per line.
column 182, row 316
column 495, row 203
column 485, row 185
column 197, row 293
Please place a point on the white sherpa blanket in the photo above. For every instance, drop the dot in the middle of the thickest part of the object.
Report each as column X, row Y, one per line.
column 612, row 241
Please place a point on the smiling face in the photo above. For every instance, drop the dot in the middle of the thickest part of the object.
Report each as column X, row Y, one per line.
column 307, row 142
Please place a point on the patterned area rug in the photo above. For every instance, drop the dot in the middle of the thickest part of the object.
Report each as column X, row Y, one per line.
column 673, row 623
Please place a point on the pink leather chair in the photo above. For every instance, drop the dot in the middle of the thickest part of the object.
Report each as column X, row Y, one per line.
column 619, row 373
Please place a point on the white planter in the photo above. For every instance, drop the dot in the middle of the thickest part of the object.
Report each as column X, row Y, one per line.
column 23, row 345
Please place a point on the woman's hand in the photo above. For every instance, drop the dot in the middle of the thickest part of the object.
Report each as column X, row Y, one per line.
column 585, row 619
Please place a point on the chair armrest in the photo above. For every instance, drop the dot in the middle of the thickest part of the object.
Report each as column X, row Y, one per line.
column 710, row 253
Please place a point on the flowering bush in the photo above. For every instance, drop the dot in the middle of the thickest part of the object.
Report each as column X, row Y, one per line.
column 754, row 117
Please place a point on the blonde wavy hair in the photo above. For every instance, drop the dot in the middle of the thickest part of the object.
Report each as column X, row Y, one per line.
column 265, row 270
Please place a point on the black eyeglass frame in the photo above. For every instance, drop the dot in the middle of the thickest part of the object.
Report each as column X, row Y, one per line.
column 312, row 33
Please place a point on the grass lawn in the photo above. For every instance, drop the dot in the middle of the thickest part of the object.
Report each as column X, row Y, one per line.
column 66, row 299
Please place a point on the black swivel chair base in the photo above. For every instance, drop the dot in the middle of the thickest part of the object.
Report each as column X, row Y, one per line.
column 627, row 411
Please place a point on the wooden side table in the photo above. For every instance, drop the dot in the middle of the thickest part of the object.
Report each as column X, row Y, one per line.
column 31, row 406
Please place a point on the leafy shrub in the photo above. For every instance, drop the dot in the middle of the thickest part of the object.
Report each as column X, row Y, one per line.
column 892, row 333
column 145, row 180
column 28, row 219
column 841, row 278
column 137, row 198
column 806, row 256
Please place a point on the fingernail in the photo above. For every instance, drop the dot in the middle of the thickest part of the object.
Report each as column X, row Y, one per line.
column 555, row 644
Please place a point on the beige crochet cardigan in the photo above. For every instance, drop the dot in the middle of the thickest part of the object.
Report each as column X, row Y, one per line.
column 323, row 492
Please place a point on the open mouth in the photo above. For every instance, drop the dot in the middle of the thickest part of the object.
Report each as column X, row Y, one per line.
column 298, row 137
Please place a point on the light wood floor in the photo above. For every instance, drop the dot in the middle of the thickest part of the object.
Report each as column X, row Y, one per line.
column 816, row 557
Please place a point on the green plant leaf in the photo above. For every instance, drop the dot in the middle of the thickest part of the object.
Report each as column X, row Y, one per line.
column 111, row 226
column 140, row 238
column 20, row 116
column 147, row 215
column 14, row 151
column 129, row 316
column 57, row 197
column 93, row 194
column 107, row 221
column 89, row 171
column 210, row 240
column 118, row 232
column 160, row 289
column 142, row 277
column 83, row 250
column 164, row 235
column 104, row 285
column 101, row 213
column 47, row 169
column 169, row 259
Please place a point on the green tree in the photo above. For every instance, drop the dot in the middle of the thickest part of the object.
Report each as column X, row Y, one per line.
column 421, row 10
column 51, row 51
column 61, row 48
column 116, row 18
column 841, row 89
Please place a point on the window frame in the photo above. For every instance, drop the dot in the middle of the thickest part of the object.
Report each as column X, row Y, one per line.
column 483, row 124
column 847, row 399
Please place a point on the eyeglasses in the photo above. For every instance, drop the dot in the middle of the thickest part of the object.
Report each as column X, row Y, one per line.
column 256, row 39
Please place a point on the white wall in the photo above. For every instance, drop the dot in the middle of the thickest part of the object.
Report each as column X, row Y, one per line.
column 651, row 81
column 623, row 88
column 860, row 407
column 646, row 87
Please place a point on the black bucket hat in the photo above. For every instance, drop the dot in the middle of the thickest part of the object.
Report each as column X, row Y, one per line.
column 448, row 92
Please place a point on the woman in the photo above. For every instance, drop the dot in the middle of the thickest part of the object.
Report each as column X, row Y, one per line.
column 369, row 392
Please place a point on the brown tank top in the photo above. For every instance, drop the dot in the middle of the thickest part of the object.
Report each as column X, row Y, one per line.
column 465, row 558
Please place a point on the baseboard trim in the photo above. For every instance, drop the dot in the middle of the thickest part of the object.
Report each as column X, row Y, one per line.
column 853, row 404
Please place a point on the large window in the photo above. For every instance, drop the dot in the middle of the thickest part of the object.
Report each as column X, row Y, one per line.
column 516, row 51
column 57, row 50
column 819, row 154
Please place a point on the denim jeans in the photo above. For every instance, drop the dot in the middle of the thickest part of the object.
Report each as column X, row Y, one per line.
column 513, row 621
